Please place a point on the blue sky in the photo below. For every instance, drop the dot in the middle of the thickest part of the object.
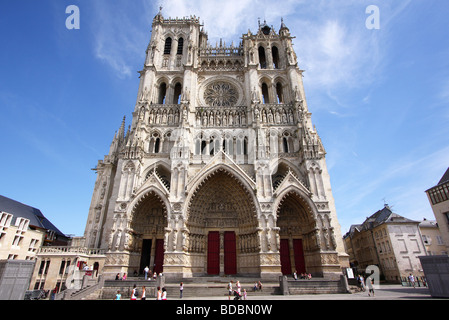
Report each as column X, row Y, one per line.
column 379, row 98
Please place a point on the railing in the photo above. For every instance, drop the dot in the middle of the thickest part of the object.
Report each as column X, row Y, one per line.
column 221, row 51
column 419, row 282
column 71, row 250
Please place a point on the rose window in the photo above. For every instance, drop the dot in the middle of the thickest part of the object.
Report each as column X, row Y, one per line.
column 221, row 94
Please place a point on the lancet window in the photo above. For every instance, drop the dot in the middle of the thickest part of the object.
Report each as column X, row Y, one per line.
column 162, row 93
column 275, row 53
column 177, row 93
column 167, row 47
column 262, row 58
column 180, row 46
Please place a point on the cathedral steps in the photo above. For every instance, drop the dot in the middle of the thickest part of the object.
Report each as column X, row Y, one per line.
column 214, row 287
column 193, row 287
column 217, row 286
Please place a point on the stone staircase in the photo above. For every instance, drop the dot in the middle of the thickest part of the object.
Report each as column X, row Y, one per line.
column 217, row 286
column 210, row 286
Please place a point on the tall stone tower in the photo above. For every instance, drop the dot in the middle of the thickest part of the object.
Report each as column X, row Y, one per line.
column 221, row 170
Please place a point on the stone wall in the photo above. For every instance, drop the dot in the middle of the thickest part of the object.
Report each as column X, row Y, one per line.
column 436, row 270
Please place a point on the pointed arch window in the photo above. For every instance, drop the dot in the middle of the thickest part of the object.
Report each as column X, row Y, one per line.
column 203, row 147
column 162, row 93
column 180, row 46
column 265, row 96
column 157, row 145
column 211, row 146
column 285, row 141
column 262, row 58
column 275, row 54
column 279, row 92
column 167, row 47
column 177, row 93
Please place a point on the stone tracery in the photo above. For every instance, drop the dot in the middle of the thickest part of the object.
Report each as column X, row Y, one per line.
column 221, row 94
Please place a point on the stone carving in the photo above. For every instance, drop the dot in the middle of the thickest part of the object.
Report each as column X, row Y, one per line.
column 221, row 94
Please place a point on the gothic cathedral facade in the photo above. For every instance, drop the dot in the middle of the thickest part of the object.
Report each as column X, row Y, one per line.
column 221, row 171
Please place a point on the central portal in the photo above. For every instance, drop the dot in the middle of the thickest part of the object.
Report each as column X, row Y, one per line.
column 222, row 217
column 221, row 259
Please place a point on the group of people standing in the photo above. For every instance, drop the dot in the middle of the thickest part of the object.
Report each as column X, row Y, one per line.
column 362, row 284
column 147, row 274
column 136, row 295
column 303, row 275
column 236, row 291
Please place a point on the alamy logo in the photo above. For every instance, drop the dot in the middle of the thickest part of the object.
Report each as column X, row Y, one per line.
column 373, row 20
column 373, row 277
column 73, row 20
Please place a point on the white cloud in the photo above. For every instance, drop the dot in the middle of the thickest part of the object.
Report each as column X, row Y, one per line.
column 230, row 19
column 402, row 184
column 118, row 37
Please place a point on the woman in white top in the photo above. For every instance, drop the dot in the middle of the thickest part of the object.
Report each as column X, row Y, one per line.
column 143, row 294
column 134, row 293
column 238, row 287
column 164, row 294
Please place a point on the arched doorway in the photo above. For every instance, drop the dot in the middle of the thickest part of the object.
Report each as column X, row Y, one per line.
column 297, row 231
column 222, row 227
column 148, row 227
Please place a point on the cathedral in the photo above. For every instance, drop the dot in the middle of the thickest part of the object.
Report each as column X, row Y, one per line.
column 221, row 171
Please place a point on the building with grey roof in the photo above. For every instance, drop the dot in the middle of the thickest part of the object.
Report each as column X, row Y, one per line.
column 388, row 241
column 23, row 229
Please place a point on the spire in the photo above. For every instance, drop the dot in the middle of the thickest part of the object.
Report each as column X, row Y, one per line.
column 159, row 16
column 284, row 31
column 121, row 131
column 283, row 26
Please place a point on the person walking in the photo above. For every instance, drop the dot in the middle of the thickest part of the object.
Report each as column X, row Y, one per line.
column 159, row 294
column 134, row 293
column 411, row 278
column 118, row 296
column 146, row 270
column 361, row 283
column 181, row 288
column 143, row 297
column 164, row 294
column 369, row 284
column 229, row 290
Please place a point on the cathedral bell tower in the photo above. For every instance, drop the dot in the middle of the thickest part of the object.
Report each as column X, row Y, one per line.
column 221, row 171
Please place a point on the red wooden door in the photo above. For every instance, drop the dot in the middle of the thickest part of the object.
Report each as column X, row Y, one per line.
column 286, row 266
column 230, row 254
column 159, row 256
column 299, row 256
column 213, row 253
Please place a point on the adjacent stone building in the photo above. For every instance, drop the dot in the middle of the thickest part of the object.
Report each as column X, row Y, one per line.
column 24, row 234
column 439, row 200
column 389, row 241
column 432, row 238
column 23, row 230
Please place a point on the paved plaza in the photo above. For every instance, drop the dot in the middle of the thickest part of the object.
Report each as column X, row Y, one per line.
column 385, row 292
